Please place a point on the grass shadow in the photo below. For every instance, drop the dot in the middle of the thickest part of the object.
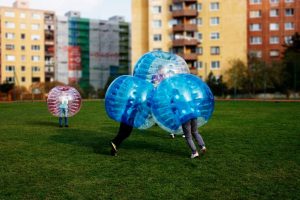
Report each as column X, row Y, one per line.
column 100, row 141
column 43, row 123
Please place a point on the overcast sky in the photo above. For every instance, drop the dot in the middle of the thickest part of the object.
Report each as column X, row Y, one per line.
column 96, row 9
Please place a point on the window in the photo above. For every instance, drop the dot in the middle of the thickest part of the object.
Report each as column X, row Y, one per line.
column 256, row 54
column 36, row 16
column 197, row 21
column 22, row 26
column 156, row 49
column 289, row 1
column 199, row 50
column 10, row 79
column 9, row 14
column 255, row 27
column 288, row 40
column 9, row 35
column 274, row 53
column 156, row 9
column 255, row 14
column 35, row 47
column 255, row 40
column 255, row 1
column 215, row 35
column 177, row 6
column 274, row 27
column 22, row 15
column 10, row 68
column 215, row 50
column 35, row 58
column 10, row 47
column 215, row 64
column 10, row 25
column 199, row 6
column 35, row 37
column 36, row 79
column 35, row 26
column 274, row 13
column 274, row 1
column 289, row 26
column 23, row 48
column 198, row 64
column 23, row 68
column 214, row 6
column 157, row 37
column 199, row 36
column 23, row 79
column 274, row 40
column 157, row 23
column 23, row 58
column 214, row 20
column 289, row 12
column 23, row 36
column 35, row 69
column 10, row 58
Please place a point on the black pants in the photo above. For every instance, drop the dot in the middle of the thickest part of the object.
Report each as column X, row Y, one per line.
column 124, row 132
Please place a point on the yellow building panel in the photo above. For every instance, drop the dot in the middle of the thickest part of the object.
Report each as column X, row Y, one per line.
column 27, row 26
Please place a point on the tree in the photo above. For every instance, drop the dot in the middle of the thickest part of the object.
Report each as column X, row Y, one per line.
column 217, row 85
column 291, row 57
column 237, row 75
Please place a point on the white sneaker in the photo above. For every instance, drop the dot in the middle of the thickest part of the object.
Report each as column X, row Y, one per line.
column 183, row 136
column 194, row 155
column 203, row 150
column 172, row 136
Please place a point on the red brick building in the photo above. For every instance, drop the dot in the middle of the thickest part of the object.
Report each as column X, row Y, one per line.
column 271, row 23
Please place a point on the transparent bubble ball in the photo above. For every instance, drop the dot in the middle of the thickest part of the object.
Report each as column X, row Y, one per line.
column 156, row 66
column 60, row 93
column 127, row 100
column 179, row 99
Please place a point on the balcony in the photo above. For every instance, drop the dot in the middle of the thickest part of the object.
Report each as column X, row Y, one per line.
column 185, row 27
column 185, row 13
column 184, row 1
column 189, row 56
column 185, row 42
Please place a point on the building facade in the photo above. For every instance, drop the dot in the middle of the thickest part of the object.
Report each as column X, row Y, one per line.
column 27, row 44
column 89, row 51
column 271, row 25
column 207, row 34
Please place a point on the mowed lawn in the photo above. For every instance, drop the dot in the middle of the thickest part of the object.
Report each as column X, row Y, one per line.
column 253, row 153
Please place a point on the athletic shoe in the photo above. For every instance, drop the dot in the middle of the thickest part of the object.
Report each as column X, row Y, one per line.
column 194, row 155
column 113, row 150
column 66, row 125
column 183, row 135
column 203, row 150
column 60, row 126
column 172, row 136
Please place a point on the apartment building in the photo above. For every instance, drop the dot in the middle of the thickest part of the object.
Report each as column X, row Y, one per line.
column 89, row 51
column 271, row 24
column 26, row 45
column 207, row 34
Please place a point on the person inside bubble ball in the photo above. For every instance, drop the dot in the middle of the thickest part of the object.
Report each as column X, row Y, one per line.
column 63, row 109
column 190, row 128
column 125, row 129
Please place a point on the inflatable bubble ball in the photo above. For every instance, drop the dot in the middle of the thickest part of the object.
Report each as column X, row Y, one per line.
column 64, row 95
column 155, row 66
column 179, row 99
column 127, row 101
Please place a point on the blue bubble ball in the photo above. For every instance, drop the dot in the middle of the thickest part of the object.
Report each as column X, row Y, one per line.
column 127, row 100
column 179, row 99
column 156, row 66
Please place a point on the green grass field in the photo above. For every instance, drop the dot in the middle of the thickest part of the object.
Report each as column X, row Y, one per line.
column 253, row 153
